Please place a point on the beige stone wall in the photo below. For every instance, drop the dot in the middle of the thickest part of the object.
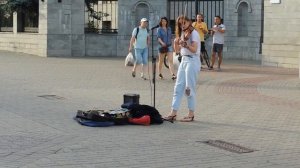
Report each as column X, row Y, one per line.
column 29, row 43
column 281, row 46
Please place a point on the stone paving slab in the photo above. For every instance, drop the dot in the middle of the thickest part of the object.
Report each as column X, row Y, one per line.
column 245, row 104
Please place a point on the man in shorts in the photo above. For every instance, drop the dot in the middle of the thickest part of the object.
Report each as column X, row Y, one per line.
column 140, row 41
column 218, row 31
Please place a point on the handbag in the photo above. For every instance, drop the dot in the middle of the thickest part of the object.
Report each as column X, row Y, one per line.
column 129, row 60
column 163, row 49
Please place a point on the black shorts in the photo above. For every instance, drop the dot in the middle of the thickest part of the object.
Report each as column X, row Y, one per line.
column 202, row 46
column 217, row 47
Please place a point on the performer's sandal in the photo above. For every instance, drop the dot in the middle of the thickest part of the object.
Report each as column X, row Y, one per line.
column 187, row 119
column 170, row 118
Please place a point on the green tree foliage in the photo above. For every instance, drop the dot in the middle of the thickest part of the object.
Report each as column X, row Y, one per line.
column 92, row 13
column 24, row 6
column 31, row 6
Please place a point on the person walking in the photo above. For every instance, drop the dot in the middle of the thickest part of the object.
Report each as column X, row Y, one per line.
column 188, row 42
column 164, row 37
column 201, row 28
column 140, row 40
column 218, row 31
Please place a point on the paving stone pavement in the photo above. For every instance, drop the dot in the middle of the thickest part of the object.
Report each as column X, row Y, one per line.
column 245, row 104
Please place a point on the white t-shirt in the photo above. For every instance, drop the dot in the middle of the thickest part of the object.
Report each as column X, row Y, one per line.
column 194, row 37
column 218, row 37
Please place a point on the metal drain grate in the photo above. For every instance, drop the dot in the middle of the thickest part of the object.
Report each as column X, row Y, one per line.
column 228, row 146
column 51, row 97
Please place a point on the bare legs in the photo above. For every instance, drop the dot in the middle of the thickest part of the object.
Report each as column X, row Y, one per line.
column 213, row 59
column 170, row 61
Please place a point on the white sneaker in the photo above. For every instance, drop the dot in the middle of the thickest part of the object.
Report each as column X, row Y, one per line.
column 143, row 77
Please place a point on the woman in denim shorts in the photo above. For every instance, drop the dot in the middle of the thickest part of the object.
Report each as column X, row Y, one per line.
column 164, row 37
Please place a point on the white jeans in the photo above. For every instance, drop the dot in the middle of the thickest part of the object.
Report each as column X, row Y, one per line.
column 186, row 78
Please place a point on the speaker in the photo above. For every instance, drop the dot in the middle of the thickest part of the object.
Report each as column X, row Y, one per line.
column 131, row 98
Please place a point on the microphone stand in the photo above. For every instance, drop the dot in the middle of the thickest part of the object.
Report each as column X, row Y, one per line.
column 153, row 68
column 153, row 65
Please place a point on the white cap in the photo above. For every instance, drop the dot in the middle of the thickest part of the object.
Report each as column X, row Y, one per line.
column 144, row 20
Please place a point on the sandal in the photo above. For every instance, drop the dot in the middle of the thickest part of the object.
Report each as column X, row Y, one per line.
column 187, row 119
column 133, row 73
column 170, row 118
column 173, row 77
column 160, row 76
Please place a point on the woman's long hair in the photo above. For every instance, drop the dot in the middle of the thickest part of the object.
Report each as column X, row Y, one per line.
column 178, row 27
column 161, row 19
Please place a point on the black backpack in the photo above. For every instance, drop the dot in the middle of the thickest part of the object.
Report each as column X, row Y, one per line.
column 138, row 110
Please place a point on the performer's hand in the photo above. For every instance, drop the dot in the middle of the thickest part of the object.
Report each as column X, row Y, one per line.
column 182, row 43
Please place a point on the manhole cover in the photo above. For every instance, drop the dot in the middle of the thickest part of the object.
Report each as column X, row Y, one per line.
column 51, row 97
column 228, row 146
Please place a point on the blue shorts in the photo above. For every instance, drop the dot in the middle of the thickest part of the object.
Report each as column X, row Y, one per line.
column 170, row 49
column 141, row 56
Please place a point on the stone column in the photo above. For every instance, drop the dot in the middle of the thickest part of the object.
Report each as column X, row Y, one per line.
column 77, row 28
column 15, row 22
column 65, row 28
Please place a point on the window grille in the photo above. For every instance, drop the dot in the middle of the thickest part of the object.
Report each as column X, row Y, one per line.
column 31, row 22
column 102, row 17
column 209, row 8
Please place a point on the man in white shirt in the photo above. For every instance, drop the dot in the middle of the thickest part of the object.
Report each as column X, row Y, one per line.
column 218, row 31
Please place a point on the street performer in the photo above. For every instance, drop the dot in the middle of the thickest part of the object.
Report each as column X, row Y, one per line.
column 188, row 43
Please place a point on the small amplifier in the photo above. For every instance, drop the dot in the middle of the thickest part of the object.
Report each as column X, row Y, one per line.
column 131, row 98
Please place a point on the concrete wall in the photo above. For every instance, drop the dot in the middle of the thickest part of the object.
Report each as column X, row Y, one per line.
column 281, row 45
column 246, row 47
column 117, row 45
column 65, row 32
column 29, row 43
column 101, row 45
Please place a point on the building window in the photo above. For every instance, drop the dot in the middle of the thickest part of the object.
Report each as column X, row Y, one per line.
column 31, row 22
column 27, row 15
column 6, row 22
column 243, row 20
column 101, row 16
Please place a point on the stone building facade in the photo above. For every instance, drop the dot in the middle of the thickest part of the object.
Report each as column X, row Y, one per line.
column 252, row 30
column 243, row 21
column 281, row 46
